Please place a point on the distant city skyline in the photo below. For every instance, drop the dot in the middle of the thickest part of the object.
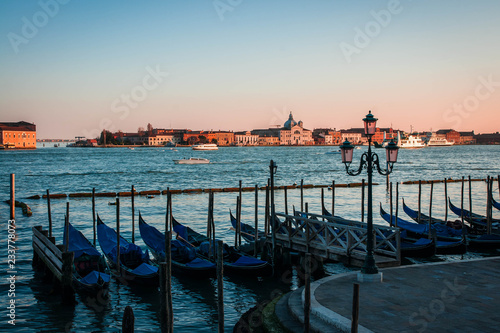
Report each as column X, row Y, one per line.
column 74, row 68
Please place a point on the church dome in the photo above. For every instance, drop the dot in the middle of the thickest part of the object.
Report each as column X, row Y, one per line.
column 290, row 122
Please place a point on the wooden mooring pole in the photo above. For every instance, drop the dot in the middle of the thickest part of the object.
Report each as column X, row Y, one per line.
column 236, row 232
column 255, row 249
column 446, row 200
column 489, row 212
column 302, row 195
column 133, row 215
column 66, row 228
column 12, row 196
column 363, row 200
column 333, row 197
column 266, row 211
column 49, row 213
column 93, row 216
column 322, row 202
column 239, row 214
column 166, row 285
column 470, row 196
column 397, row 204
column 272, row 170
column 355, row 308
column 419, row 200
column 166, row 311
column 118, row 237
column 128, row 320
column 220, row 286
column 430, row 210
column 307, row 291
column 286, row 200
column 68, row 294
column 390, row 200
column 462, row 205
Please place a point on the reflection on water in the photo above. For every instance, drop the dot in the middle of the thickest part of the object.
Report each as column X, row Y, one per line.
column 65, row 170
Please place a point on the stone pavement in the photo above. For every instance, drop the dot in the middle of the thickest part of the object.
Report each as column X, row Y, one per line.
column 462, row 296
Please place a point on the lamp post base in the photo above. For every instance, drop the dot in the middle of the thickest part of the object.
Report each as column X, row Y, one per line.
column 377, row 277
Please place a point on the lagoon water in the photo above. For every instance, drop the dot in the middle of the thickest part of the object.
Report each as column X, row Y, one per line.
column 71, row 170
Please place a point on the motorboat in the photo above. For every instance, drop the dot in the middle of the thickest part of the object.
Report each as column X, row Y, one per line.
column 192, row 160
column 205, row 146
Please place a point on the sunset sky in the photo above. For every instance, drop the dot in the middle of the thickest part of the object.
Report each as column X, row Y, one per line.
column 74, row 67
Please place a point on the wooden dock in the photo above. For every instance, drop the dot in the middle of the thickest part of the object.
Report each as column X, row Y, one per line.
column 53, row 258
column 337, row 239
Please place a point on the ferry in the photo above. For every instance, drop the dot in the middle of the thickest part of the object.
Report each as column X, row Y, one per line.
column 205, row 146
column 410, row 142
column 436, row 141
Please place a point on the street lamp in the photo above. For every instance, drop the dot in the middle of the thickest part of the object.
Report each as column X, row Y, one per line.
column 369, row 161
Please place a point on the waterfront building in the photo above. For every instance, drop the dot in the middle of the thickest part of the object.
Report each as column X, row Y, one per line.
column 354, row 135
column 131, row 138
column 18, row 135
column 160, row 139
column 449, row 134
column 487, row 138
column 269, row 140
column 327, row 136
column 291, row 134
column 390, row 134
column 246, row 139
column 224, row 138
column 467, row 138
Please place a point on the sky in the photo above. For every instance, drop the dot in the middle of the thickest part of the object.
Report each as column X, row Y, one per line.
column 76, row 67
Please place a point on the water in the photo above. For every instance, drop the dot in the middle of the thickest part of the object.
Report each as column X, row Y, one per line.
column 72, row 170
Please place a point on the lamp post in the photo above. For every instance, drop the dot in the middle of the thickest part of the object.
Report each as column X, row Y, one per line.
column 369, row 161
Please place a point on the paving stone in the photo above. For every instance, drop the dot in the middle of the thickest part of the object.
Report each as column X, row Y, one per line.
column 443, row 297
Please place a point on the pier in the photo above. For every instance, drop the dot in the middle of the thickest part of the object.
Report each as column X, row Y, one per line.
column 438, row 297
column 337, row 239
column 54, row 259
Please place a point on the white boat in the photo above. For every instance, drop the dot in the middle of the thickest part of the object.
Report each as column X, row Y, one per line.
column 192, row 160
column 205, row 146
column 411, row 142
column 435, row 141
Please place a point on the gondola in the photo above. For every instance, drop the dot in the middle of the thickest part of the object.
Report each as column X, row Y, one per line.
column 91, row 274
column 476, row 241
column 247, row 231
column 454, row 245
column 444, row 231
column 424, row 219
column 135, row 265
column 184, row 259
column 495, row 204
column 235, row 262
column 477, row 221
